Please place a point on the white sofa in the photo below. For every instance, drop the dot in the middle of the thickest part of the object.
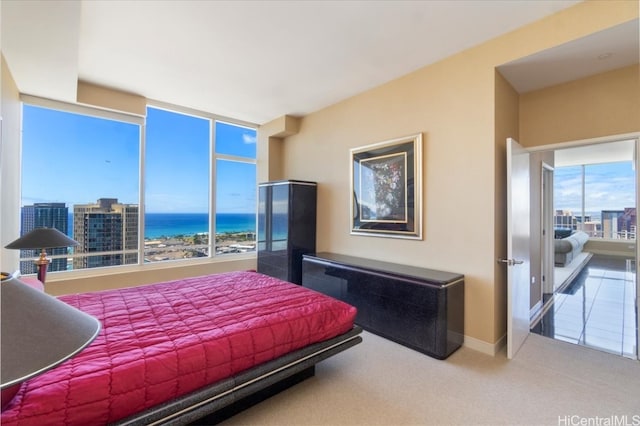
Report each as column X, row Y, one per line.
column 567, row 248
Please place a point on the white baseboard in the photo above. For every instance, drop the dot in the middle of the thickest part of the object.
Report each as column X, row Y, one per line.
column 486, row 348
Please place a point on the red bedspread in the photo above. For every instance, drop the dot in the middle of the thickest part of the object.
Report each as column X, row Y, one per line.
column 165, row 340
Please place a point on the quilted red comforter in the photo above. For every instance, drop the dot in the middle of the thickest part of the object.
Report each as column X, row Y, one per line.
column 161, row 341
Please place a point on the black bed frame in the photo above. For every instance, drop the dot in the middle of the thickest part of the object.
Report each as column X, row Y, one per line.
column 223, row 399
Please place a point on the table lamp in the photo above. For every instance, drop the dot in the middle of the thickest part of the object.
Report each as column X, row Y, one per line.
column 42, row 238
column 38, row 332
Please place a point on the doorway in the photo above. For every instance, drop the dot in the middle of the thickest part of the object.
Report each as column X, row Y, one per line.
column 590, row 298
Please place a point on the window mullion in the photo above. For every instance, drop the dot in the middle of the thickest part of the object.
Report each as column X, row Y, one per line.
column 141, row 196
column 212, row 188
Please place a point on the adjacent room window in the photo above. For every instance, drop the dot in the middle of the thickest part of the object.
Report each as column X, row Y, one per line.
column 598, row 199
column 130, row 196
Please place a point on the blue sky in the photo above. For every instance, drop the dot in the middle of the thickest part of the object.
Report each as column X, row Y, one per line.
column 607, row 187
column 77, row 159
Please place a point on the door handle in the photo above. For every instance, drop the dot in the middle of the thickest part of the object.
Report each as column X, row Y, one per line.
column 511, row 262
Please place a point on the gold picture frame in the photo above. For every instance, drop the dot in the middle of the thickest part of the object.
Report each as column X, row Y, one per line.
column 386, row 188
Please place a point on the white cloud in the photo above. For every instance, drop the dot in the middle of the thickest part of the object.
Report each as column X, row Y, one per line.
column 248, row 139
column 606, row 188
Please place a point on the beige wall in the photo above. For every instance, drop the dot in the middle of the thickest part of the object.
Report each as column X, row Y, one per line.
column 270, row 146
column 462, row 109
column 103, row 97
column 602, row 105
column 10, row 112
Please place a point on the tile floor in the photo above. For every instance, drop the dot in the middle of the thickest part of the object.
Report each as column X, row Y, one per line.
column 597, row 309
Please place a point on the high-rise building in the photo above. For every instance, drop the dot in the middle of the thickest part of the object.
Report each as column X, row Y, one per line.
column 628, row 223
column 611, row 223
column 44, row 215
column 106, row 226
column 592, row 228
column 619, row 224
column 564, row 219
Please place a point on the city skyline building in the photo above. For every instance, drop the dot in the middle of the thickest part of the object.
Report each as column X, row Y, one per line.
column 105, row 226
column 44, row 215
column 619, row 224
column 613, row 224
column 565, row 219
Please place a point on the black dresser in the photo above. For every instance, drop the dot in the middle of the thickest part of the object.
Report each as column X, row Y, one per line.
column 420, row 308
column 286, row 227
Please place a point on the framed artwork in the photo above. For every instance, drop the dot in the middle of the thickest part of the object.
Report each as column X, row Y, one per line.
column 386, row 182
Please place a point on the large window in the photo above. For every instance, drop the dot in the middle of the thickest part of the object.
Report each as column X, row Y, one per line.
column 80, row 174
column 134, row 191
column 598, row 199
column 235, row 189
column 178, row 169
column 176, row 198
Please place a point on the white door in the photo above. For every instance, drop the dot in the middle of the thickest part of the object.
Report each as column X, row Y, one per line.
column 518, row 248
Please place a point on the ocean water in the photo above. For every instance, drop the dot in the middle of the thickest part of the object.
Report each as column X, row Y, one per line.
column 172, row 224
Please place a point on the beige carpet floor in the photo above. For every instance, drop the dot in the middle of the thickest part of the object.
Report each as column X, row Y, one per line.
column 379, row 382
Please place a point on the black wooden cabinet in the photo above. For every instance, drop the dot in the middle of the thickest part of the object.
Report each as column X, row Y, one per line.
column 417, row 307
column 286, row 227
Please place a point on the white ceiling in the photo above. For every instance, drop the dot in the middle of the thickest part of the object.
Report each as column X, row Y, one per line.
column 606, row 50
column 600, row 153
column 259, row 60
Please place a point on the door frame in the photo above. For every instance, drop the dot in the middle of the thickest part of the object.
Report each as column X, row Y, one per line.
column 612, row 138
column 546, row 207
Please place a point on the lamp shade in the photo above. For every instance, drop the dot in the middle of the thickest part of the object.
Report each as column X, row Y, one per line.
column 40, row 238
column 38, row 332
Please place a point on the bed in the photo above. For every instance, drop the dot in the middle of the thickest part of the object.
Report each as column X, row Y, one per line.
column 178, row 351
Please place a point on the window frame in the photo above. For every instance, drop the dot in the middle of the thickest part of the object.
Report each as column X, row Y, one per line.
column 582, row 214
column 141, row 122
